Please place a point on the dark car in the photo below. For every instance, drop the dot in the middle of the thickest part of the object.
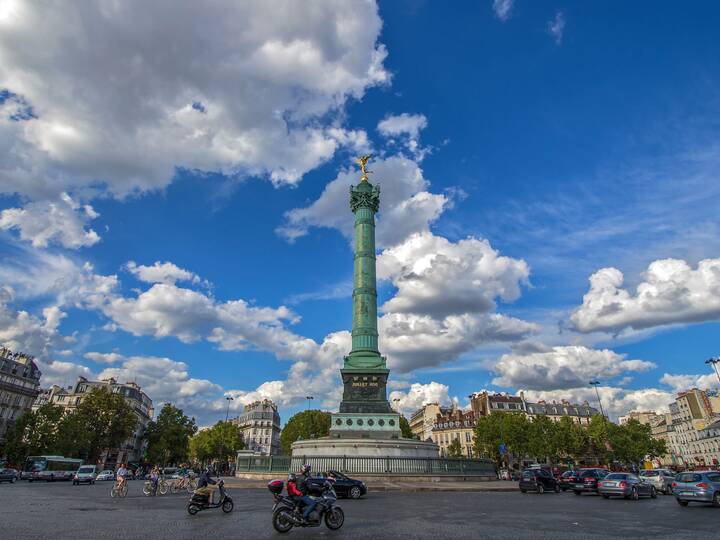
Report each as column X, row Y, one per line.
column 568, row 479
column 8, row 475
column 539, row 480
column 344, row 485
column 587, row 481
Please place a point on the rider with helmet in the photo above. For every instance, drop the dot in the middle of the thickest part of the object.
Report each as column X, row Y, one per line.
column 206, row 485
column 298, row 488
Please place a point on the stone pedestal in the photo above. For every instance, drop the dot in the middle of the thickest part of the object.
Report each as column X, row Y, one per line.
column 375, row 448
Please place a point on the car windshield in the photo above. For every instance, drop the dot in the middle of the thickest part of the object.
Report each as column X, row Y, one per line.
column 567, row 473
column 588, row 474
column 86, row 469
column 650, row 473
column 687, row 477
column 713, row 477
column 107, row 471
column 616, row 476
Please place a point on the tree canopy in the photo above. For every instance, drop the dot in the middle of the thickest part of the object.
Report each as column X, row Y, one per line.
column 220, row 442
column 304, row 425
column 168, row 436
column 405, row 428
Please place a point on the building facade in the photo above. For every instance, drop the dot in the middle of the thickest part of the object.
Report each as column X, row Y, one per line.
column 19, row 386
column 133, row 449
column 644, row 417
column 484, row 403
column 424, row 419
column 455, row 425
column 692, row 412
column 260, row 426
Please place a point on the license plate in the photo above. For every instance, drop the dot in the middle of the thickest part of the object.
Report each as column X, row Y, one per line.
column 579, row 485
column 686, row 493
column 610, row 484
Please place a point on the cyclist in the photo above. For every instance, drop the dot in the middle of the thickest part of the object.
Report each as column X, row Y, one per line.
column 155, row 478
column 121, row 476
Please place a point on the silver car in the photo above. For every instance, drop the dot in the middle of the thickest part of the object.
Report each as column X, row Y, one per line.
column 107, row 474
column 697, row 486
column 662, row 479
column 626, row 485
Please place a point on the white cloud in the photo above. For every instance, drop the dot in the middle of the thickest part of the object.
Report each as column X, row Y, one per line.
column 420, row 394
column 43, row 222
column 166, row 272
column 616, row 401
column 402, row 124
column 242, row 88
column 680, row 383
column 406, row 206
column 439, row 277
column 672, row 292
column 556, row 27
column 104, row 358
column 563, row 367
column 502, row 9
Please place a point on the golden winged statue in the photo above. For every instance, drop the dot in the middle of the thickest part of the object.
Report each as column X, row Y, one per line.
column 362, row 161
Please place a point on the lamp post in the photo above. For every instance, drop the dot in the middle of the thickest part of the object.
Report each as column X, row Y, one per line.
column 227, row 413
column 714, row 362
column 597, row 393
column 308, row 399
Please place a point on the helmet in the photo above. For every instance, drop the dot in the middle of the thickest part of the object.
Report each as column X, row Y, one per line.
column 305, row 469
column 292, row 477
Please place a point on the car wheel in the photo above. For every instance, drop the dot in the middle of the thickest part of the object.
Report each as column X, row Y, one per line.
column 557, row 488
column 682, row 503
column 355, row 492
column 716, row 499
column 12, row 480
column 605, row 496
column 668, row 490
column 523, row 491
column 540, row 489
column 577, row 492
column 653, row 492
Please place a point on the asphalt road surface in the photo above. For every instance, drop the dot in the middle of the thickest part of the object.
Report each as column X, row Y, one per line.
column 62, row 511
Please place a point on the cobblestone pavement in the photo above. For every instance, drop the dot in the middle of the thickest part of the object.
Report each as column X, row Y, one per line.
column 62, row 511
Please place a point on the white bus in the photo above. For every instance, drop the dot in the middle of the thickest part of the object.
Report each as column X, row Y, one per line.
column 50, row 468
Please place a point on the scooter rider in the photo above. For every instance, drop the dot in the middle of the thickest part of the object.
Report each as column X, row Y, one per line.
column 205, row 485
column 302, row 486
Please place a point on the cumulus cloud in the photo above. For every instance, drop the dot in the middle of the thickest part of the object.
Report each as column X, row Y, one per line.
column 556, row 27
column 616, row 401
column 680, row 383
column 62, row 222
column 418, row 395
column 438, row 277
column 100, row 96
column 502, row 9
column 406, row 206
column 166, row 272
column 563, row 367
column 402, row 124
column 672, row 292
column 104, row 358
column 23, row 331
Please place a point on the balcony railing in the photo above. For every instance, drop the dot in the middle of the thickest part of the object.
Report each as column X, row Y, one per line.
column 370, row 465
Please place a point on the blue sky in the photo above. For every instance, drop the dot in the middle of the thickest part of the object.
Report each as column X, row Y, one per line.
column 549, row 178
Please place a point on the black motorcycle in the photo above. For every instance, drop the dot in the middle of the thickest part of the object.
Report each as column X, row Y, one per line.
column 286, row 512
column 199, row 501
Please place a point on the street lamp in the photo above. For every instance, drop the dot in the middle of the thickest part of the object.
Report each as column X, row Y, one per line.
column 227, row 413
column 597, row 392
column 309, row 398
column 714, row 361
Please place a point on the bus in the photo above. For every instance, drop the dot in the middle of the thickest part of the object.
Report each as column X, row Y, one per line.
column 50, row 468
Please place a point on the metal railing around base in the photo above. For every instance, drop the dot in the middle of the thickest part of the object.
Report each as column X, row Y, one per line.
column 398, row 466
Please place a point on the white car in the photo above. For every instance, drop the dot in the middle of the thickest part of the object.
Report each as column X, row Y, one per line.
column 107, row 474
column 84, row 475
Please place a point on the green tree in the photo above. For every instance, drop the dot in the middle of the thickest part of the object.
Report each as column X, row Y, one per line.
column 542, row 439
column 102, row 421
column 572, row 440
column 304, row 425
column 35, row 432
column 632, row 443
column 488, row 436
column 455, row 448
column 220, row 442
column 168, row 437
column 405, row 428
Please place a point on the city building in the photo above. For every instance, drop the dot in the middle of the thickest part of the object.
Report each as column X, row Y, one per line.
column 483, row 403
column 453, row 425
column 19, row 386
column 133, row 449
column 644, row 417
column 661, row 428
column 692, row 412
column 424, row 419
column 260, row 426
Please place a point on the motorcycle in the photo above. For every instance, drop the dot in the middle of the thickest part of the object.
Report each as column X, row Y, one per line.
column 286, row 512
column 200, row 501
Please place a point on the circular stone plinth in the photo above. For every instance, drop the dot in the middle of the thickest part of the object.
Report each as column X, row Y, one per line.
column 333, row 447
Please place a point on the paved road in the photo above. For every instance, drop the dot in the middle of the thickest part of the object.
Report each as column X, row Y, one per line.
column 62, row 511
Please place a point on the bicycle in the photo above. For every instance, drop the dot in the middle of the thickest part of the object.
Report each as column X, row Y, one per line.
column 149, row 489
column 117, row 491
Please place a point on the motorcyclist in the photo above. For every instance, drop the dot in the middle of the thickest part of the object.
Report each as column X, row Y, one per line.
column 303, row 487
column 206, row 485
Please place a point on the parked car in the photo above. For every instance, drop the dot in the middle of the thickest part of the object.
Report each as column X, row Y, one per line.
column 568, row 479
column 540, row 480
column 9, row 475
column 344, row 485
column 662, row 479
column 587, row 480
column 107, row 474
column 170, row 473
column 85, row 475
column 626, row 485
column 697, row 486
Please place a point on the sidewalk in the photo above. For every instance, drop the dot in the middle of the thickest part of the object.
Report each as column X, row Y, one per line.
column 390, row 485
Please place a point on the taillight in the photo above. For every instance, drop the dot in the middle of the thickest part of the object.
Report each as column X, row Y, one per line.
column 674, row 484
column 600, row 484
column 702, row 485
column 623, row 484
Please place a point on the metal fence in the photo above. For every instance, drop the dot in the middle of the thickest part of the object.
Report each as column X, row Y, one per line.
column 370, row 465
